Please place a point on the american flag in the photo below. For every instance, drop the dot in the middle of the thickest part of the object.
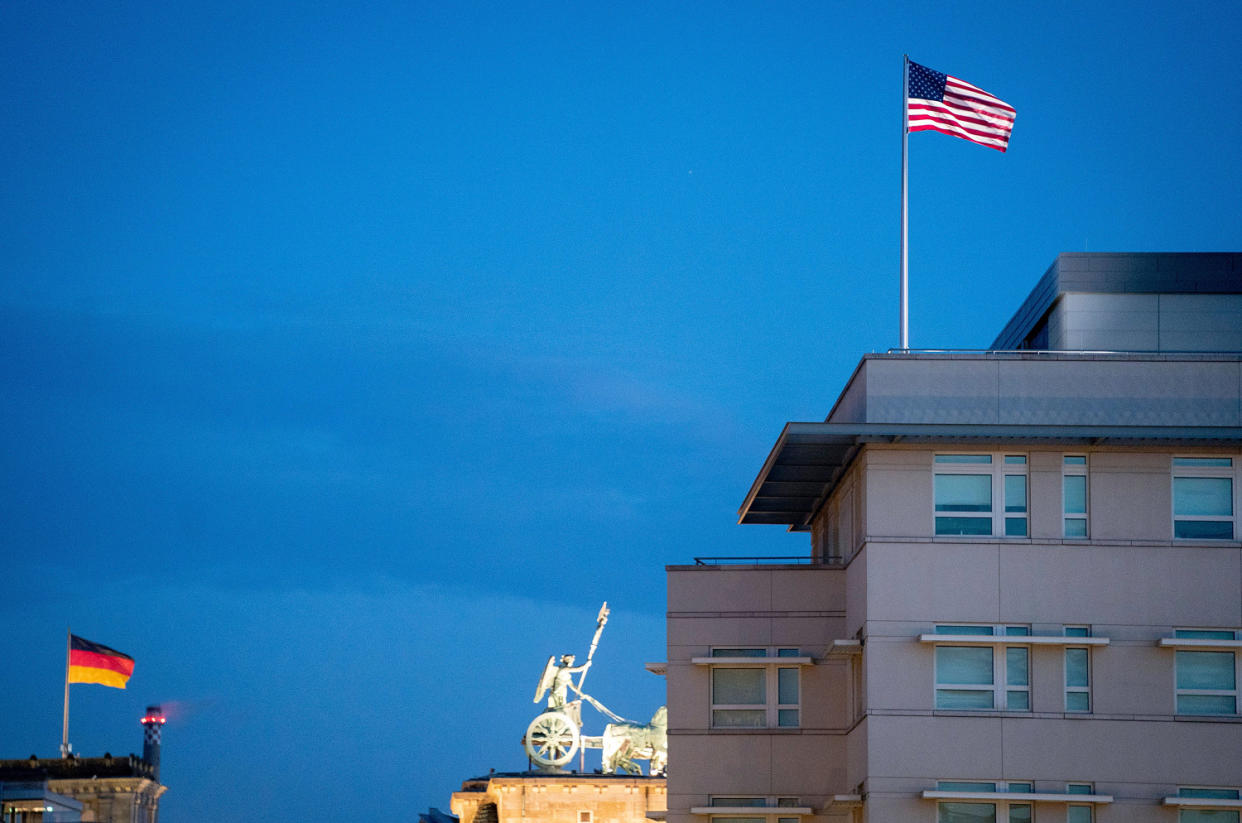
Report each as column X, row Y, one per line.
column 940, row 102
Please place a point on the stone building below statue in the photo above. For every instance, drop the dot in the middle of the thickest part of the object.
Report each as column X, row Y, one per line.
column 536, row 797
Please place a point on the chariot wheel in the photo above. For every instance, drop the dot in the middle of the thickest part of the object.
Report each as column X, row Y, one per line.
column 552, row 739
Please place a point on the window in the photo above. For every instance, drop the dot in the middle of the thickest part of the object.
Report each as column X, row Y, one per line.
column 1074, row 494
column 966, row 486
column 983, row 812
column 1203, row 504
column 755, row 696
column 1079, row 812
column 1077, row 672
column 1208, row 814
column 1207, row 681
column 983, row 677
column 584, row 816
column 736, row 809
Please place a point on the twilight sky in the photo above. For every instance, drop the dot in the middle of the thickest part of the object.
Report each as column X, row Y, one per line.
column 353, row 353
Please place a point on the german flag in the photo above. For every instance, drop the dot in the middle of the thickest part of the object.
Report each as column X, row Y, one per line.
column 92, row 663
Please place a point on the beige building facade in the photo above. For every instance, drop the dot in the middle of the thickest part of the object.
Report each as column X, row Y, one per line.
column 536, row 797
column 1022, row 595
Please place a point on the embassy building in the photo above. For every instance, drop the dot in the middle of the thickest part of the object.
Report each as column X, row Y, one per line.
column 1022, row 599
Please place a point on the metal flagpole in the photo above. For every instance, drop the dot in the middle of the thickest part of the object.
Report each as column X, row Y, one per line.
column 64, row 730
column 905, row 139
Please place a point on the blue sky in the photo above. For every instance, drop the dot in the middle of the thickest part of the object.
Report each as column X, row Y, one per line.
column 354, row 355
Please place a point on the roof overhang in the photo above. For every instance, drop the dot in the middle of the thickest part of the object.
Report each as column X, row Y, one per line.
column 809, row 459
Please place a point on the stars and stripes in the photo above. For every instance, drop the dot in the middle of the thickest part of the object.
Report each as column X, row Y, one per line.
column 940, row 102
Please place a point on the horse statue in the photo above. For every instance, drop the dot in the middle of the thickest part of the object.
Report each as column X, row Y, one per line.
column 623, row 743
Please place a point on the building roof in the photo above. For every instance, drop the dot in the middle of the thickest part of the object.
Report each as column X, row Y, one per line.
column 809, row 459
column 71, row 768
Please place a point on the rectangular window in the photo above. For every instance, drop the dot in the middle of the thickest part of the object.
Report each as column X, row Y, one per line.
column 983, row 677
column 1209, row 815
column 1203, row 498
column 1074, row 494
column 966, row 486
column 961, row 811
column 1207, row 681
column 755, row 697
column 1079, row 812
column 1077, row 672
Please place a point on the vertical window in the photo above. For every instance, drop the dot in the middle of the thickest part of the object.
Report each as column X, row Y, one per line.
column 983, row 677
column 584, row 816
column 1203, row 504
column 1207, row 681
column 1074, row 494
column 1079, row 812
column 1208, row 815
column 1077, row 672
column 965, row 486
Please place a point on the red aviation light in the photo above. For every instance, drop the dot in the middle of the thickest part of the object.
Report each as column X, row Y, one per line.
column 153, row 718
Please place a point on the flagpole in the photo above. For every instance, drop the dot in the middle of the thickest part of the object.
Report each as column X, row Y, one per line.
column 64, row 730
column 905, row 135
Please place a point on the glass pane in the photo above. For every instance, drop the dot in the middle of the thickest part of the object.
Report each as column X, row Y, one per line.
column 963, row 458
column 1019, row 813
column 952, row 629
column 1202, row 461
column 1075, row 460
column 1214, row 794
column 788, row 653
column 963, row 699
column 1207, row 816
column 1015, row 492
column 1205, row 670
column 1017, row 631
column 965, row 786
column 738, row 687
column 788, row 802
column 964, row 666
column 739, row 652
column 1015, row 459
column 1076, row 667
column 787, row 717
column 739, row 718
column 963, row 492
column 1016, row 673
column 1078, row 788
column 1205, row 496
column 1075, row 527
column 1078, row 814
column 1075, row 487
column 738, row 801
column 967, row 813
column 787, row 686
column 1020, row 788
column 1077, row 631
column 1202, row 529
column 1015, row 527
column 964, row 525
column 1077, row 702
column 1018, row 701
column 1206, row 704
column 1205, row 634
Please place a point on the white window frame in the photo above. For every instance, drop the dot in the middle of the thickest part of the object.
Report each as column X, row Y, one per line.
column 1183, row 470
column 997, row 469
column 1086, row 650
column 1001, row 642
column 1195, row 644
column 1076, row 470
column 773, row 660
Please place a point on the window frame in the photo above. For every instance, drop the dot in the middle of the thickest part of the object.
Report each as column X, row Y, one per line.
column 772, row 661
column 1194, row 799
column 1180, row 649
column 1000, row 687
column 1070, row 808
column 1203, row 470
column 1002, row 807
column 997, row 468
column 1074, row 689
column 1076, row 470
